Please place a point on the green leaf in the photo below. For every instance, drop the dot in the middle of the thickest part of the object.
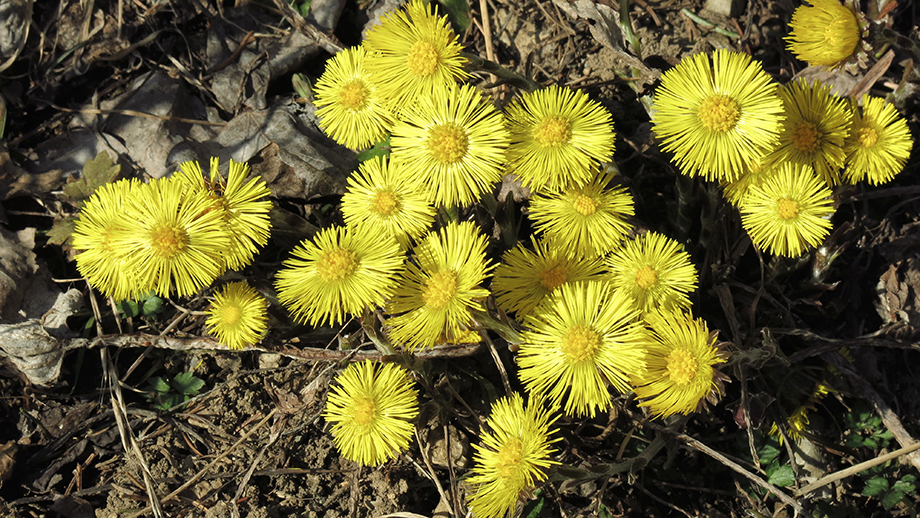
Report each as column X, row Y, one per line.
column 603, row 512
column 854, row 441
column 129, row 308
column 458, row 11
column 159, row 385
column 380, row 149
column 168, row 401
column 96, row 173
column 783, row 476
column 767, row 453
column 904, row 485
column 875, row 486
column 892, row 499
column 62, row 230
column 870, row 443
column 533, row 507
column 186, row 383
column 152, row 306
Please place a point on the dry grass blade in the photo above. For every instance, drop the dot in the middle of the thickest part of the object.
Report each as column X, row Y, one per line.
column 852, row 470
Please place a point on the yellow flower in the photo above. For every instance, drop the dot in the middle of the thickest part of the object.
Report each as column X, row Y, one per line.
column 176, row 240
column 681, row 353
column 349, row 105
column 455, row 141
column 382, row 200
column 245, row 216
column 435, row 296
column 655, row 271
column 513, row 458
column 716, row 117
column 754, row 173
column 412, row 53
column 588, row 220
column 789, row 212
column 525, row 278
column 829, row 34
column 102, row 264
column 816, row 126
column 339, row 272
column 238, row 315
column 371, row 408
column 879, row 143
column 583, row 338
column 557, row 135
column 798, row 421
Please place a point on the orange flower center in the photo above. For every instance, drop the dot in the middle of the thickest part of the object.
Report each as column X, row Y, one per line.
column 168, row 241
column 337, row 264
column 364, row 410
column 448, row 143
column 805, row 136
column 423, row 58
column 552, row 131
column 509, row 457
column 646, row 276
column 385, row 204
column 719, row 112
column 868, row 137
column 579, row 343
column 585, row 205
column 682, row 366
column 787, row 208
column 440, row 289
column 353, row 95
column 553, row 277
column 230, row 314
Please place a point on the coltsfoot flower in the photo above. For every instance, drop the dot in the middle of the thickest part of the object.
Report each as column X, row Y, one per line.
column 513, row 458
column 371, row 407
column 879, row 143
column 754, row 174
column 583, row 338
column 557, row 137
column 655, row 271
column 412, row 53
column 829, row 34
column 349, row 105
column 340, row 272
column 680, row 375
column 434, row 298
column 237, row 316
column 717, row 116
column 790, row 212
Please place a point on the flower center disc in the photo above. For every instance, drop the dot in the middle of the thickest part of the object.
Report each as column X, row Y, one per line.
column 231, row 314
column 364, row 411
column 719, row 113
column 509, row 456
column 579, row 343
column 646, row 276
column 585, row 205
column 805, row 136
column 553, row 277
column 868, row 137
column 447, row 143
column 353, row 95
column 423, row 58
column 336, row 264
column 682, row 366
column 168, row 241
column 385, row 204
column 440, row 289
column 787, row 208
column 552, row 131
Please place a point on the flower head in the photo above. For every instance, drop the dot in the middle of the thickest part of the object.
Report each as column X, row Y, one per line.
column 879, row 143
column 412, row 53
column 238, row 315
column 371, row 407
column 829, row 34
column 434, row 297
column 816, row 125
column 717, row 116
column 382, row 200
column 341, row 271
column 245, row 215
column 754, row 173
column 589, row 220
column 584, row 337
column 102, row 264
column 454, row 140
column 350, row 108
column 176, row 240
column 525, row 278
column 557, row 135
column 681, row 353
column 655, row 271
column 513, row 458
column 789, row 212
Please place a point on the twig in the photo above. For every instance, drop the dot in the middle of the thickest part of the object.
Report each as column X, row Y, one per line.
column 852, row 470
column 432, row 473
column 709, row 25
column 498, row 363
column 487, row 33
